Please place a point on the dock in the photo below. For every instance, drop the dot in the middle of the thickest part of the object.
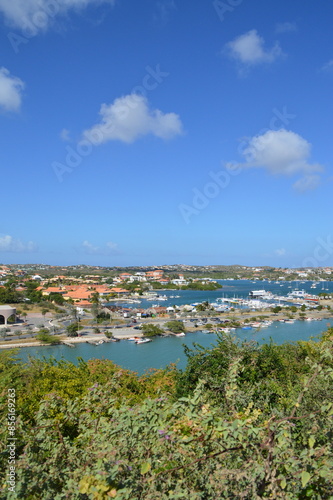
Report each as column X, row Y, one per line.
column 69, row 344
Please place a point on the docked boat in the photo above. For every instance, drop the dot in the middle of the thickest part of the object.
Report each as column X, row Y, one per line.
column 142, row 341
column 260, row 294
column 256, row 324
column 95, row 342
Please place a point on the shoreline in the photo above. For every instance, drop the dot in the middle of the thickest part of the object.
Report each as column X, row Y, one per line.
column 129, row 333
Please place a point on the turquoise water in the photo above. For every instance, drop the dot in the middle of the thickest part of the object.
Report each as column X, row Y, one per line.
column 163, row 351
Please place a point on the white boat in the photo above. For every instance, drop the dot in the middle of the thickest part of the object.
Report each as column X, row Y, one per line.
column 142, row 341
column 296, row 294
column 260, row 294
column 181, row 334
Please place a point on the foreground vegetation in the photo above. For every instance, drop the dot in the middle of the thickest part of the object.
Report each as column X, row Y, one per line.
column 241, row 422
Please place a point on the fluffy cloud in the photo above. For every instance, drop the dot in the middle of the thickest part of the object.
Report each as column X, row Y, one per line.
column 286, row 153
column 307, row 183
column 285, row 27
column 10, row 244
column 328, row 66
column 129, row 118
column 36, row 15
column 10, row 91
column 249, row 49
column 109, row 249
column 280, row 252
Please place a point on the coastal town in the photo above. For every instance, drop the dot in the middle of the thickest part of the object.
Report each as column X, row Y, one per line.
column 48, row 305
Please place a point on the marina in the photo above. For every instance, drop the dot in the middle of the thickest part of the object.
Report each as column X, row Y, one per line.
column 237, row 299
column 236, row 293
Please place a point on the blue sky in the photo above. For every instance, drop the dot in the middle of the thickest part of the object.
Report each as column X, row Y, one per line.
column 166, row 131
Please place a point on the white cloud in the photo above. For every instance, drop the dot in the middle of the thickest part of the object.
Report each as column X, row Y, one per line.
column 283, row 152
column 109, row 249
column 286, row 27
column 10, row 91
column 89, row 247
column 280, row 252
column 328, row 66
column 65, row 135
column 10, row 244
column 129, row 118
column 112, row 246
column 36, row 15
column 307, row 183
column 249, row 49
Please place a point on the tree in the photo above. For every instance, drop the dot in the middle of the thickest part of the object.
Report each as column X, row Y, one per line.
column 276, row 309
column 44, row 336
column 72, row 329
column 8, row 295
column 175, row 326
column 95, row 310
column 95, row 298
column 151, row 330
column 32, row 293
column 56, row 297
column 45, row 310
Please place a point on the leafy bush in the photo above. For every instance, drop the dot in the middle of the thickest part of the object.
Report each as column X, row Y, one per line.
column 151, row 330
column 175, row 326
column 244, row 422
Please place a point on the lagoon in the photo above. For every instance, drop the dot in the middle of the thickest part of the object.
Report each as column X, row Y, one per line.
column 162, row 351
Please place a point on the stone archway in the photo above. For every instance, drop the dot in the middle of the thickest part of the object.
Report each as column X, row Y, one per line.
column 5, row 313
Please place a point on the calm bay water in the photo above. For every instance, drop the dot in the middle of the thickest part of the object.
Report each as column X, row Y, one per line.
column 163, row 351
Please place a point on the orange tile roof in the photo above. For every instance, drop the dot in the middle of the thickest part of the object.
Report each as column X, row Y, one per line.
column 85, row 294
column 83, row 303
column 54, row 289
